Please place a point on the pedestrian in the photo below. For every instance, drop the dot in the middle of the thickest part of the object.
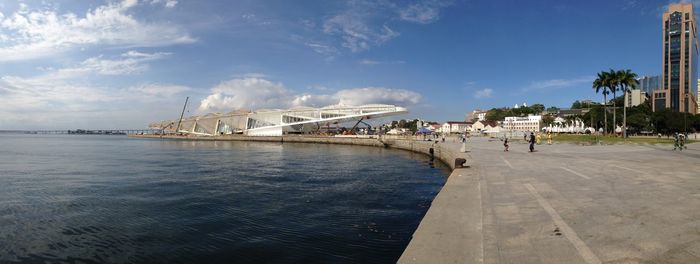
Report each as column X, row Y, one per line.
column 538, row 138
column 676, row 142
column 682, row 142
column 443, row 137
column 505, row 144
column 525, row 136
column 549, row 138
column 532, row 142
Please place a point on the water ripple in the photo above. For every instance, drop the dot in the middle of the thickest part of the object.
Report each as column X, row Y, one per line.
column 117, row 200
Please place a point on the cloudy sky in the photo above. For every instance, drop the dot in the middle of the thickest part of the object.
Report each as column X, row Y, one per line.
column 122, row 64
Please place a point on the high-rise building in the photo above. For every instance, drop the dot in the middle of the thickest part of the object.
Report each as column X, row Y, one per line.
column 680, row 61
column 649, row 83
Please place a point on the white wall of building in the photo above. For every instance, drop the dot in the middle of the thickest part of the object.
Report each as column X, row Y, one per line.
column 635, row 97
column 528, row 123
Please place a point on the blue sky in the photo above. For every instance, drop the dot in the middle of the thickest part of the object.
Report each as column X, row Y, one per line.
column 123, row 64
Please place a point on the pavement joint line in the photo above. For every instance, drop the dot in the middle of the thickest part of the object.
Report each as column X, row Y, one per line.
column 507, row 162
column 481, row 220
column 579, row 174
column 629, row 169
column 568, row 232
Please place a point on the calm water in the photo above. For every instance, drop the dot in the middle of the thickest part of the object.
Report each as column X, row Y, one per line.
column 114, row 199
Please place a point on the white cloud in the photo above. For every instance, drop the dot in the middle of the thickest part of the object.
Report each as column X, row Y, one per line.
column 71, row 96
column 558, row 83
column 424, row 12
column 358, row 28
column 483, row 93
column 364, row 24
column 243, row 93
column 158, row 90
column 166, row 3
column 369, row 95
column 35, row 34
column 132, row 62
column 256, row 93
column 358, row 36
column 326, row 50
column 376, row 62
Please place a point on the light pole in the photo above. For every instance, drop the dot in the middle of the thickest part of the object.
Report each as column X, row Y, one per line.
column 624, row 114
column 685, row 116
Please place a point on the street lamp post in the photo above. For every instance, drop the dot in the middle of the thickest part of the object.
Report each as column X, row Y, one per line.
column 685, row 116
column 624, row 114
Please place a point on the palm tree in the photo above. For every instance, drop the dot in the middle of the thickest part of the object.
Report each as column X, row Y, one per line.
column 627, row 79
column 601, row 84
column 613, row 82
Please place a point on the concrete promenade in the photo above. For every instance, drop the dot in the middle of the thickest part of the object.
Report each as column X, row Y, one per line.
column 565, row 204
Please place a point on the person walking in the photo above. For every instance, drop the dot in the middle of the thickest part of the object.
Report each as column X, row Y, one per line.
column 505, row 144
column 532, row 142
column 676, row 142
column 681, row 142
column 549, row 138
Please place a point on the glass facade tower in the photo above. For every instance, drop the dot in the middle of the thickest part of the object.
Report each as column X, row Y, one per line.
column 649, row 84
column 680, row 60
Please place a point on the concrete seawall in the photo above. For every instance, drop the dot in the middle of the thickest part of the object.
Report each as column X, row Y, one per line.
column 451, row 230
column 441, row 151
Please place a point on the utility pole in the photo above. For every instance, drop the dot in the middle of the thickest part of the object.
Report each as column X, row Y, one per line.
column 181, row 114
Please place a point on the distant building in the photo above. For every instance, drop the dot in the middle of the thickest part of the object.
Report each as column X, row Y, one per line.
column 528, row 123
column 267, row 122
column 680, row 61
column 649, row 84
column 571, row 112
column 476, row 113
column 635, row 97
column 455, row 127
column 477, row 126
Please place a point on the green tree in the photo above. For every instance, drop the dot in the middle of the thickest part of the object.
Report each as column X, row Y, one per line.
column 602, row 84
column 537, row 108
column 495, row 114
column 667, row 121
column 613, row 81
column 626, row 79
column 576, row 105
column 639, row 117
column 526, row 110
column 547, row 120
column 553, row 109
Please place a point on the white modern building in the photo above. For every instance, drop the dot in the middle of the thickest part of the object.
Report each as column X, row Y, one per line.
column 276, row 122
column 454, row 127
column 635, row 97
column 527, row 123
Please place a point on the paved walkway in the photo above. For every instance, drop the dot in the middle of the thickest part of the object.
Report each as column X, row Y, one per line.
column 565, row 204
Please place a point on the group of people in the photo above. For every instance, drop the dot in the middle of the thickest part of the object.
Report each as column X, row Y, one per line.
column 679, row 141
column 533, row 139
